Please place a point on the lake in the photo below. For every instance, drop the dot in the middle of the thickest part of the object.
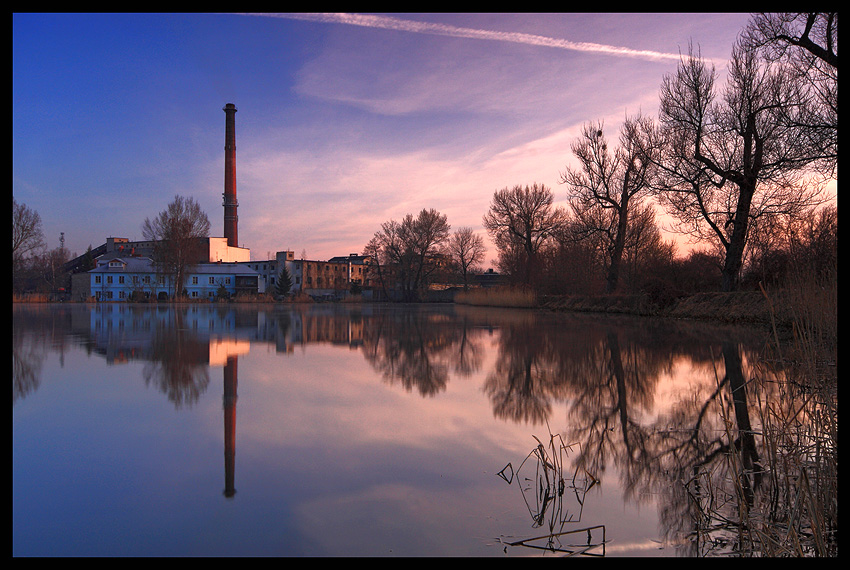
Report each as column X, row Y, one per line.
column 367, row 430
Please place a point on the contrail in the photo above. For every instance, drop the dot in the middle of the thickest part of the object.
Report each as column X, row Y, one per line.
column 390, row 23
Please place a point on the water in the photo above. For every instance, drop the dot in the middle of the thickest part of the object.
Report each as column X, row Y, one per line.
column 374, row 430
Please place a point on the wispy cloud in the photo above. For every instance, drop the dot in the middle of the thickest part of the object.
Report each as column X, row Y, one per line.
column 391, row 23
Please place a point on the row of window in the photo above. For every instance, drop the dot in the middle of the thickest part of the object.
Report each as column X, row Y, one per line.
column 146, row 279
column 124, row 295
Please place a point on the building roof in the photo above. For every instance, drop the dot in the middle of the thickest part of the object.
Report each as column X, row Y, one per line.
column 128, row 265
column 146, row 265
column 353, row 258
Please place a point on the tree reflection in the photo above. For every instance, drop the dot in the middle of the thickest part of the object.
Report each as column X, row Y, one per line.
column 694, row 452
column 520, row 386
column 613, row 385
column 38, row 330
column 179, row 362
column 419, row 349
column 28, row 354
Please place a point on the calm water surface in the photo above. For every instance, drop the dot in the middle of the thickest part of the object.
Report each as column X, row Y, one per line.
column 374, row 430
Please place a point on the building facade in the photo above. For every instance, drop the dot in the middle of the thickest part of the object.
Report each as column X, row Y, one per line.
column 335, row 278
column 137, row 278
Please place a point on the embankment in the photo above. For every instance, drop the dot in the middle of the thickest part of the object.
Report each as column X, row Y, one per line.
column 751, row 307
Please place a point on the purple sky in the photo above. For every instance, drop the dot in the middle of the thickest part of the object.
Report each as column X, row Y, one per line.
column 345, row 121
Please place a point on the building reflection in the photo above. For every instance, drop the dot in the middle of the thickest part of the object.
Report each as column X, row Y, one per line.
column 179, row 345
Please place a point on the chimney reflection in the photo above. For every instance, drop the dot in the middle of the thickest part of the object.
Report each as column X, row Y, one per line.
column 229, row 404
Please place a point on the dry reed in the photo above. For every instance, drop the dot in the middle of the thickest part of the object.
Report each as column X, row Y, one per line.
column 497, row 297
column 786, row 505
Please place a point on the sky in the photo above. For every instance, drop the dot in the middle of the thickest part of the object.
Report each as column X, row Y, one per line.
column 344, row 121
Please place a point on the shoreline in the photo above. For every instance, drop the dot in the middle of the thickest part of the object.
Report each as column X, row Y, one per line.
column 740, row 307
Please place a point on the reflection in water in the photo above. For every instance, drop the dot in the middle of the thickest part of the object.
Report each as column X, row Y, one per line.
column 177, row 362
column 230, row 382
column 668, row 405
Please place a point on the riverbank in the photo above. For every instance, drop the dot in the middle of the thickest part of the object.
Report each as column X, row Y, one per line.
column 780, row 308
column 739, row 307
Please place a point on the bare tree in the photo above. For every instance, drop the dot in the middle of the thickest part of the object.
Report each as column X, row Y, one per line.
column 177, row 234
column 27, row 241
column 727, row 161
column 27, row 235
column 520, row 221
column 408, row 252
column 608, row 184
column 807, row 43
column 467, row 249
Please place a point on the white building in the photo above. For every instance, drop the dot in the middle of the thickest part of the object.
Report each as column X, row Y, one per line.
column 120, row 278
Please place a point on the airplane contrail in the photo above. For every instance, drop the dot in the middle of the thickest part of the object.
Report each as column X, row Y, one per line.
column 391, row 23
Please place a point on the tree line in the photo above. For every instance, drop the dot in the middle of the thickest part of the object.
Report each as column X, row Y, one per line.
column 740, row 168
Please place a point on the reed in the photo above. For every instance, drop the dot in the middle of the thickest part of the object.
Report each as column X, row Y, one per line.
column 498, row 297
column 29, row 298
column 785, row 504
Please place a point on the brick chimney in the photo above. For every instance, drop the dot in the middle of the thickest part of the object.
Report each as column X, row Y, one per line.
column 230, row 218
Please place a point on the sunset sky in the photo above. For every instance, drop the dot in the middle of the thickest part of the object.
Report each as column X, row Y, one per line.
column 344, row 121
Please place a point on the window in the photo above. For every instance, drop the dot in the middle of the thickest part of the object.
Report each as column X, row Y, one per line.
column 121, row 279
column 212, row 280
column 97, row 278
column 194, row 280
column 109, row 279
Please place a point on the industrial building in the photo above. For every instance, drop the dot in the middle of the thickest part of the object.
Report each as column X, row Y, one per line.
column 121, row 269
column 137, row 279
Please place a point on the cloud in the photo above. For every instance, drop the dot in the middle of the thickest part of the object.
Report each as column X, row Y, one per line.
column 397, row 24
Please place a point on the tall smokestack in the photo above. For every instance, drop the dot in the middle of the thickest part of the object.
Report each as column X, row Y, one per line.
column 230, row 204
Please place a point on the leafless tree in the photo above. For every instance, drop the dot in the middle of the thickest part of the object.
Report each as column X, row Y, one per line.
column 729, row 160
column 27, row 241
column 520, row 221
column 177, row 234
column 807, row 43
column 408, row 252
column 467, row 250
column 27, row 235
column 608, row 184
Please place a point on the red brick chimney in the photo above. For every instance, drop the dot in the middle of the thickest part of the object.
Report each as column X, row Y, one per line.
column 230, row 218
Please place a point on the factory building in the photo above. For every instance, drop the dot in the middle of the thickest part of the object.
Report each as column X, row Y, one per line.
column 120, row 268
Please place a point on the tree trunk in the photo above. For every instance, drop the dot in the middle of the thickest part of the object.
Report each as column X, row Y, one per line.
column 735, row 249
column 619, row 239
